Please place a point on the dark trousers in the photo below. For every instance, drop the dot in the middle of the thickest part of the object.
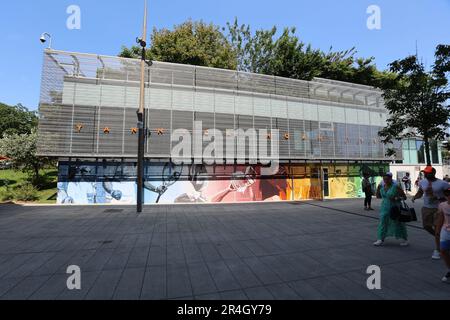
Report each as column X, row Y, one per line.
column 408, row 186
column 368, row 200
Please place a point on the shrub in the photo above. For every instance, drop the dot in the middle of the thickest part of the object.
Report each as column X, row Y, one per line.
column 6, row 195
column 26, row 192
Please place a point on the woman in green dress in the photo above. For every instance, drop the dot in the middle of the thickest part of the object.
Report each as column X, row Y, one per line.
column 392, row 194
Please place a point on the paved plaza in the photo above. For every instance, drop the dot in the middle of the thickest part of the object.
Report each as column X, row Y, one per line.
column 308, row 250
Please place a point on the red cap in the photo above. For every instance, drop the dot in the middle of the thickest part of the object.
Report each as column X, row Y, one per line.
column 428, row 169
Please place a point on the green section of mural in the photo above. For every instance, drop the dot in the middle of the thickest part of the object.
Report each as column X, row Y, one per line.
column 350, row 185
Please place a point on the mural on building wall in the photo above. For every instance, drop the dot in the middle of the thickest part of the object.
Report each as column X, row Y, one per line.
column 167, row 183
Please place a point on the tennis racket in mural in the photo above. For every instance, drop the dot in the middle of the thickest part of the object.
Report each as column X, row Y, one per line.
column 170, row 174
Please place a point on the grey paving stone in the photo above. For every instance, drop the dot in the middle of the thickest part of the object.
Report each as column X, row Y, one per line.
column 284, row 270
column 154, row 285
column 226, row 251
column 8, row 284
column 259, row 293
column 241, row 250
column 179, row 252
column 262, row 272
column 144, row 240
column 51, row 289
column 201, row 281
column 222, row 276
column 105, row 285
column 178, row 282
column 354, row 290
column 192, row 253
column 28, row 267
column 118, row 259
column 98, row 260
column 87, row 281
column 130, row 284
column 283, row 292
column 242, row 273
column 15, row 262
column 56, row 263
column 328, row 289
column 138, row 257
column 175, row 254
column 306, row 291
column 209, row 252
column 81, row 259
column 128, row 241
column 26, row 288
column 385, row 293
column 233, row 295
column 206, row 297
column 157, row 256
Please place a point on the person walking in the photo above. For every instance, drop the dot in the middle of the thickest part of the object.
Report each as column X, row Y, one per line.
column 391, row 193
column 417, row 183
column 407, row 182
column 367, row 189
column 432, row 190
column 443, row 231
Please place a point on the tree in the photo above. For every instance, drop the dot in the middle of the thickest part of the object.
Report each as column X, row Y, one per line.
column 16, row 120
column 417, row 100
column 287, row 56
column 21, row 148
column 194, row 43
column 238, row 48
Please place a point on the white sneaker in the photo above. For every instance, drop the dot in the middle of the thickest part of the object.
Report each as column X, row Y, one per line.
column 379, row 243
column 436, row 255
column 446, row 278
column 404, row 244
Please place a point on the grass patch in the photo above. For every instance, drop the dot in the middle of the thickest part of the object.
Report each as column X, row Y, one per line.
column 15, row 185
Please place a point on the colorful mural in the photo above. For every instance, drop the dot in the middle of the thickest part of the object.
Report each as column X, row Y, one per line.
column 167, row 183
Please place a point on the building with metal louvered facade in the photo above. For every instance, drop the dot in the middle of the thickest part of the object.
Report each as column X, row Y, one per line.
column 328, row 131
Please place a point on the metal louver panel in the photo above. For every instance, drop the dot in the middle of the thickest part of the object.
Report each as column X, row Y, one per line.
column 88, row 109
column 160, row 128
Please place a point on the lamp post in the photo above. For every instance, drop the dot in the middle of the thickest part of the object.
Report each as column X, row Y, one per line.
column 141, row 118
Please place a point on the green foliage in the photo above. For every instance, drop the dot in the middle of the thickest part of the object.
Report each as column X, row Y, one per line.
column 16, row 120
column 11, row 180
column 288, row 56
column 6, row 193
column 21, row 148
column 25, row 192
column 194, row 43
column 418, row 99
column 263, row 51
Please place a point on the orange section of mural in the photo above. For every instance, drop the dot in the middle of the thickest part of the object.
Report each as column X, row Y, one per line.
column 305, row 189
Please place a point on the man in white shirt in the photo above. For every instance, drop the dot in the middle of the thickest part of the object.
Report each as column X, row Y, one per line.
column 432, row 189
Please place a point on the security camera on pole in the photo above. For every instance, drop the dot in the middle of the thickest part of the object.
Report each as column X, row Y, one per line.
column 141, row 118
column 44, row 37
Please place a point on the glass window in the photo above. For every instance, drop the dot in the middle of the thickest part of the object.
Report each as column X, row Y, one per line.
column 340, row 139
column 412, row 145
column 366, row 141
column 354, row 144
column 434, row 152
column 313, row 145
column 406, row 145
column 420, row 152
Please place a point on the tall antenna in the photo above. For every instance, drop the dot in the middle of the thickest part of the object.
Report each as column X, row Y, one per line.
column 141, row 117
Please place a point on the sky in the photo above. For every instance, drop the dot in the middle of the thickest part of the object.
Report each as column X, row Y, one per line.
column 106, row 25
